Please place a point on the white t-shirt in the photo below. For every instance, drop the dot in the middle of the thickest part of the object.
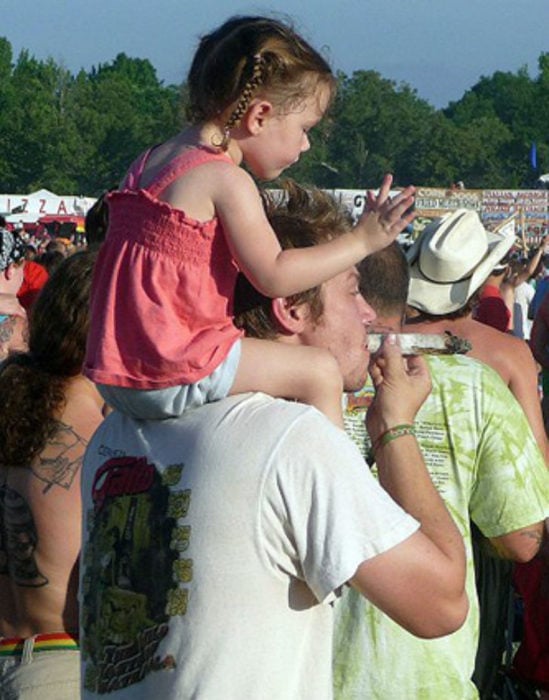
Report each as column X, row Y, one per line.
column 213, row 546
column 522, row 325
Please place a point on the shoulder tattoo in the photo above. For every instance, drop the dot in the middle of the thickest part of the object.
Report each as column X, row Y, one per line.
column 61, row 459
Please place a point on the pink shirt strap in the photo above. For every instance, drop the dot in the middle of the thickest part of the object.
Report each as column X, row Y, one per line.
column 184, row 161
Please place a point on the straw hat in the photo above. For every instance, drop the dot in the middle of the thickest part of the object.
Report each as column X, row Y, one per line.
column 451, row 259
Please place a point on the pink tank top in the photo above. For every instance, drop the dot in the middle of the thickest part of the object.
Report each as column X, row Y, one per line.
column 161, row 308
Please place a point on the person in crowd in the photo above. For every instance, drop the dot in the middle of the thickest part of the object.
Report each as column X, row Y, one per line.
column 96, row 222
column 449, row 262
column 31, row 251
column 13, row 318
column 530, row 664
column 187, row 212
column 48, row 412
column 491, row 308
column 58, row 245
column 35, row 277
column 518, row 292
column 539, row 343
column 273, row 495
column 51, row 260
column 486, row 465
column 542, row 286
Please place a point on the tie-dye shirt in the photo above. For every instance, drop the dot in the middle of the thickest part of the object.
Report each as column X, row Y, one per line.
column 486, row 465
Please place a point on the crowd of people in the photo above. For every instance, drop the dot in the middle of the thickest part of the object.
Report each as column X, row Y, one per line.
column 210, row 487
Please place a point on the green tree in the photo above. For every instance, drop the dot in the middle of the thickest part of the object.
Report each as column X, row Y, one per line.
column 377, row 126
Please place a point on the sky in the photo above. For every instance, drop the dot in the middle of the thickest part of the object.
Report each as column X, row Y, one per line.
column 439, row 47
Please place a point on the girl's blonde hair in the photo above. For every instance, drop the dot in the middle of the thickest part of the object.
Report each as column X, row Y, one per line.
column 248, row 56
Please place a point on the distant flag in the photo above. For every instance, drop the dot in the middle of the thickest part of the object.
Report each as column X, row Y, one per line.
column 534, row 156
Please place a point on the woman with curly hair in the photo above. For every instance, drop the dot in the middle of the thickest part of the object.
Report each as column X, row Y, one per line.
column 48, row 412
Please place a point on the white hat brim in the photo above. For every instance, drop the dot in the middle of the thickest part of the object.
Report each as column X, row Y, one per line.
column 441, row 298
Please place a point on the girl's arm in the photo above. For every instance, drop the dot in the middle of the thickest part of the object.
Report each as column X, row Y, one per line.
column 280, row 273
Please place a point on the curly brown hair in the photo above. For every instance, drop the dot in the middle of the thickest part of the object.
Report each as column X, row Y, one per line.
column 32, row 383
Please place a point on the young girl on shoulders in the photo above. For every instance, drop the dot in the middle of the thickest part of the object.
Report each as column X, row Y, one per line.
column 188, row 217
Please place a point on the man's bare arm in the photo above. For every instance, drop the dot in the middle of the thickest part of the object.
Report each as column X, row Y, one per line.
column 420, row 583
column 520, row 545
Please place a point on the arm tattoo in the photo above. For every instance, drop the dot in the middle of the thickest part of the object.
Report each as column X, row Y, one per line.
column 18, row 540
column 7, row 328
column 62, row 458
column 533, row 535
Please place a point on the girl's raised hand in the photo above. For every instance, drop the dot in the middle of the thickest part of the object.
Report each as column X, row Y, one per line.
column 384, row 216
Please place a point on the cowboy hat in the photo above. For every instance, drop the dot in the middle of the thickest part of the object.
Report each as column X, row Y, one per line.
column 451, row 259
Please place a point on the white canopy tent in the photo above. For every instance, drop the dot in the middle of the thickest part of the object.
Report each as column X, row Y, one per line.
column 29, row 208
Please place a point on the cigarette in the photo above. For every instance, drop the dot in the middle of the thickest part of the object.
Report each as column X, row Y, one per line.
column 423, row 343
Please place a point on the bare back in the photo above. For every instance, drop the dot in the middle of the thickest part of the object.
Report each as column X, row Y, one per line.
column 509, row 356
column 40, row 514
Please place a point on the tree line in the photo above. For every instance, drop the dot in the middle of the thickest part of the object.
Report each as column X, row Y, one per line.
column 78, row 133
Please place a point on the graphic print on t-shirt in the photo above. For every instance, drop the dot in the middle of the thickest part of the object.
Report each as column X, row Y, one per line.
column 134, row 573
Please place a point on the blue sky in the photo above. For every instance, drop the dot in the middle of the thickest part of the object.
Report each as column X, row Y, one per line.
column 439, row 47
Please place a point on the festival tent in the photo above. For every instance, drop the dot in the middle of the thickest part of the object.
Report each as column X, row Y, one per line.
column 29, row 209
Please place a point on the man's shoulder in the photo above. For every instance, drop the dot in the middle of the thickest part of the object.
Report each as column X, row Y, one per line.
column 486, row 339
column 461, row 369
column 458, row 378
column 243, row 417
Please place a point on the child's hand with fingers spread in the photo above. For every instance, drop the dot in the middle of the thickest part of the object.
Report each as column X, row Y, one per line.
column 384, row 216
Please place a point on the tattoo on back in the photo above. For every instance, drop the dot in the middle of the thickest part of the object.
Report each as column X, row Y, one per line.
column 18, row 540
column 62, row 458
column 7, row 327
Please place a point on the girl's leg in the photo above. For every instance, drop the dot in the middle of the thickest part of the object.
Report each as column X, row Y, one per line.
column 304, row 373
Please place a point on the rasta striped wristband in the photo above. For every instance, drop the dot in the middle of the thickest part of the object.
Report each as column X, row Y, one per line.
column 392, row 434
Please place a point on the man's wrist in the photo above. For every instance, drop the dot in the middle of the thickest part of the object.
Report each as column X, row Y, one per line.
column 393, row 433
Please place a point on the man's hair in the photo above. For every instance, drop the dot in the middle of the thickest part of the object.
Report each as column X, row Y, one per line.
column 97, row 222
column 384, row 280
column 32, row 383
column 465, row 310
column 300, row 218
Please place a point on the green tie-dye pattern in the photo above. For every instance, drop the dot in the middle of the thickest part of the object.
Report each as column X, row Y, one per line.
column 485, row 463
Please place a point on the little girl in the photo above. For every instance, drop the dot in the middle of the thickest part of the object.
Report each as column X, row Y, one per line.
column 187, row 217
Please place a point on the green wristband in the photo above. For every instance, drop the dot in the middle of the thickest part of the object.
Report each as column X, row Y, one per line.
column 392, row 434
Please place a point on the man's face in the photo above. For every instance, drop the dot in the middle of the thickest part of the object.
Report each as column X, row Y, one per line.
column 342, row 328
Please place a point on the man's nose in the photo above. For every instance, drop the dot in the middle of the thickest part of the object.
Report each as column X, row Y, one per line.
column 367, row 314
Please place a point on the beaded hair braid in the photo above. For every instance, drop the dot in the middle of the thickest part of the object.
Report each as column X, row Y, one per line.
column 258, row 76
column 242, row 57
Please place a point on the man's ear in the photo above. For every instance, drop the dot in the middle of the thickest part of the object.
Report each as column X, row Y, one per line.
column 291, row 318
column 256, row 115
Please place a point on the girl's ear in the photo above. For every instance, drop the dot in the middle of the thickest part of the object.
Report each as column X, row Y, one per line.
column 291, row 318
column 256, row 115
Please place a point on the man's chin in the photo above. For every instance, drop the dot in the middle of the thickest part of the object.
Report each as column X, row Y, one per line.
column 357, row 382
